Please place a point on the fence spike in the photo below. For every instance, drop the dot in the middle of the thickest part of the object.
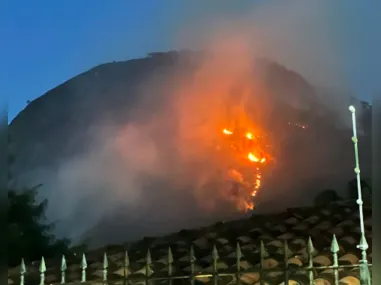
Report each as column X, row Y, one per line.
column 105, row 266
column 215, row 258
column 192, row 260
column 192, row 257
column 335, row 249
column 42, row 270
column 148, row 266
column 63, row 263
column 170, row 261
column 22, row 266
column 310, row 252
column 148, row 258
column 334, row 245
column 238, row 254
column 170, row 265
column 63, row 269
column 310, row 247
column 170, row 256
column 105, row 261
column 262, row 251
column 83, row 261
column 215, row 255
column 83, row 266
column 126, row 264
column 126, row 259
column 262, row 254
column 22, row 271
column 364, row 269
column 42, row 267
column 286, row 250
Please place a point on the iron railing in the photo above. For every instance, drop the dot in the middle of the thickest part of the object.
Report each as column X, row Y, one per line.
column 234, row 272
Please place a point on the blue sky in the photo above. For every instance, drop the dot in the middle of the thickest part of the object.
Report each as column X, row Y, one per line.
column 45, row 43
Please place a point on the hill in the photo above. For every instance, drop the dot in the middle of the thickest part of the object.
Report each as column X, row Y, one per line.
column 104, row 144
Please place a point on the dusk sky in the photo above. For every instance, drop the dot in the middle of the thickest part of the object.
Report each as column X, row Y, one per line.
column 45, row 43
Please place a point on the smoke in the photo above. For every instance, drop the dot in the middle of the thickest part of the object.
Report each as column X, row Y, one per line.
column 304, row 37
column 154, row 173
column 297, row 34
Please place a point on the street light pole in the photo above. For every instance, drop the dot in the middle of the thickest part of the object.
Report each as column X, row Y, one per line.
column 363, row 245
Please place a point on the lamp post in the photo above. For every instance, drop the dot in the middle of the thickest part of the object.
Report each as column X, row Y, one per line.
column 363, row 245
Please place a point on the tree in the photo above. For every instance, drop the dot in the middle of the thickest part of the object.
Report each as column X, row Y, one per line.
column 326, row 197
column 28, row 233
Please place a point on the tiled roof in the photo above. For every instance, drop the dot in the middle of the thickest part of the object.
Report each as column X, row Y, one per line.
column 226, row 246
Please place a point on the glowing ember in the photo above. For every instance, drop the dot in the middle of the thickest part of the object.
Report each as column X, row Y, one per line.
column 302, row 126
column 227, row 132
column 249, row 136
column 253, row 158
column 249, row 154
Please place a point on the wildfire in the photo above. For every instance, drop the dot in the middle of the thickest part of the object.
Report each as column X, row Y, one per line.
column 250, row 156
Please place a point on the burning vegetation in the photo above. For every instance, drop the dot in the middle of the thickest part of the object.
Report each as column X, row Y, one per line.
column 245, row 153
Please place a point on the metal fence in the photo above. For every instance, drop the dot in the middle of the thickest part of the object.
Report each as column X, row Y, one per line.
column 172, row 272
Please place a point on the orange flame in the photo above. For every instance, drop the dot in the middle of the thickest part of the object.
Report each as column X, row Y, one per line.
column 256, row 154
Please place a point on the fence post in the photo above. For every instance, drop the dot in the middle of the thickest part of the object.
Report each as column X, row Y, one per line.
column 125, row 266
column 105, row 266
column 286, row 273
column 192, row 260
column 335, row 249
column 83, row 266
column 215, row 258
column 170, row 265
column 22, row 272
column 63, row 269
column 262, row 253
column 42, row 270
column 310, row 251
column 148, row 266
column 238, row 254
